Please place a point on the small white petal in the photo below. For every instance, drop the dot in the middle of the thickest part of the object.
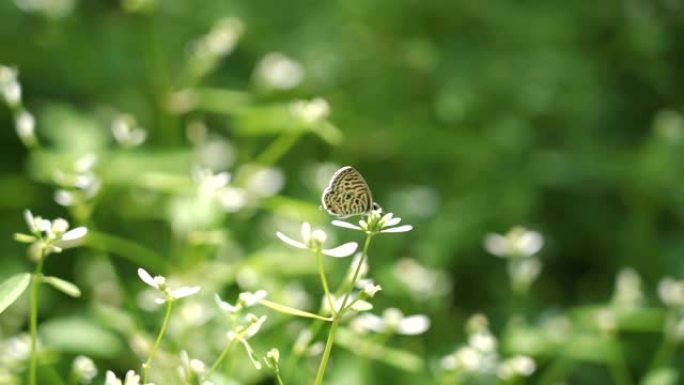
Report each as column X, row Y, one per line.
column 75, row 234
column 413, row 325
column 160, row 301
column 147, row 278
column 306, row 232
column 30, row 222
column 225, row 306
column 392, row 222
column 530, row 242
column 345, row 225
column 184, row 292
column 342, row 251
column 496, row 244
column 370, row 321
column 400, row 229
column 290, row 241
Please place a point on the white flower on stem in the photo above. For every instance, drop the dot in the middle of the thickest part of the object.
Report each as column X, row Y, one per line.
column 78, row 185
column 392, row 321
column 243, row 332
column 9, row 86
column 272, row 358
column 84, row 369
column 49, row 236
column 313, row 240
column 671, row 292
column 278, row 71
column 190, row 367
column 131, row 378
column 159, row 282
column 127, row 132
column 245, row 299
column 370, row 289
column 376, row 222
column 628, row 293
column 25, row 126
column 517, row 242
column 310, row 111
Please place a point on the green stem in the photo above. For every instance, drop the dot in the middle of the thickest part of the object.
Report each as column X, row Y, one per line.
column 280, row 380
column 618, row 366
column 324, row 281
column 350, row 288
column 33, row 321
column 278, row 148
column 153, row 351
column 328, row 348
column 220, row 359
column 338, row 315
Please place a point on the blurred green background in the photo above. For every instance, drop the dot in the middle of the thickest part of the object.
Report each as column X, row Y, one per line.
column 465, row 117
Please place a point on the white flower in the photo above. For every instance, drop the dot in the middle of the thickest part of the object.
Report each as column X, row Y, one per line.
column 25, row 126
column 84, row 369
column 517, row 242
column 376, row 223
column 371, row 289
column 50, row 236
column 423, row 283
column 393, row 321
column 245, row 299
column 517, row 366
column 628, row 293
column 159, row 282
column 131, row 379
column 126, row 131
column 278, row 71
column 312, row 111
column 523, row 272
column 671, row 292
column 314, row 241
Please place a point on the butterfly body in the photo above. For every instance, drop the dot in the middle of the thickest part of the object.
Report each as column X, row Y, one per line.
column 347, row 194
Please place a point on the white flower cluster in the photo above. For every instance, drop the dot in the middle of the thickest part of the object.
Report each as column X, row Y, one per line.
column 79, row 185
column 84, row 369
column 14, row 352
column 47, row 237
column 24, row 122
column 247, row 325
column 479, row 356
column 520, row 246
column 159, row 282
column 376, row 222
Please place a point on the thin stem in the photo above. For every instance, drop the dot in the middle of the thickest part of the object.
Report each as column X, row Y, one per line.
column 153, row 351
column 278, row 148
column 338, row 316
column 33, row 321
column 280, row 380
column 328, row 348
column 324, row 280
column 218, row 361
column 350, row 288
column 618, row 366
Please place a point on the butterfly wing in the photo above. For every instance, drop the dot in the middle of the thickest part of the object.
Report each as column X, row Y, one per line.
column 347, row 194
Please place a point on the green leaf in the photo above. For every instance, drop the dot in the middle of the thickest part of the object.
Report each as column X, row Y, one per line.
column 80, row 336
column 12, row 288
column 292, row 311
column 661, row 376
column 65, row 287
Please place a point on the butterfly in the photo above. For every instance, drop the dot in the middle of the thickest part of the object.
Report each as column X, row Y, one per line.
column 348, row 194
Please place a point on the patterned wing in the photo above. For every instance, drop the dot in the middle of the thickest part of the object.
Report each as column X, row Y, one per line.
column 347, row 194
